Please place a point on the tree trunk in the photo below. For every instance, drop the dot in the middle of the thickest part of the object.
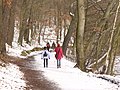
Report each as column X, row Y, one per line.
column 40, row 29
column 21, row 33
column 2, row 27
column 71, row 29
column 11, row 23
column 23, row 21
column 80, row 35
column 26, row 35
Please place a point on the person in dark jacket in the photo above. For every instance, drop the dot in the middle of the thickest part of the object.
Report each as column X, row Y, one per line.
column 48, row 46
column 53, row 45
column 58, row 55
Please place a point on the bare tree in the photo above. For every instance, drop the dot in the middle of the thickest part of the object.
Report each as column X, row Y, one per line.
column 80, row 35
column 95, row 53
column 111, row 52
column 71, row 29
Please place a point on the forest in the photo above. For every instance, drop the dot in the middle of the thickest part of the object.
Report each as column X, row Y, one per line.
column 88, row 29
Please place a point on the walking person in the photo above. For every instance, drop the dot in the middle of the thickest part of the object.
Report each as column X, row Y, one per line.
column 58, row 55
column 48, row 46
column 45, row 56
column 53, row 45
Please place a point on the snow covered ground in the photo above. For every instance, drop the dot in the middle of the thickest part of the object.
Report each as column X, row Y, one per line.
column 69, row 78
column 11, row 78
column 66, row 77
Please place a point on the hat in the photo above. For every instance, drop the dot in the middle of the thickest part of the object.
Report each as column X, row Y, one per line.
column 45, row 48
column 58, row 45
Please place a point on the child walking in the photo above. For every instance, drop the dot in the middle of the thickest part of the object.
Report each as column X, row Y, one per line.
column 45, row 56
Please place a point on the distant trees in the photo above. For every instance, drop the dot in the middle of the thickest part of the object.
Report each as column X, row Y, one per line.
column 36, row 15
column 32, row 16
column 24, row 20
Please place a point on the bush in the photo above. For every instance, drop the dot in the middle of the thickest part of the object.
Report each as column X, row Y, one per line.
column 24, row 53
column 37, row 49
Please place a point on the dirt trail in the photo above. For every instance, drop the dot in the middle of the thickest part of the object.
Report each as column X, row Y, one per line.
column 35, row 79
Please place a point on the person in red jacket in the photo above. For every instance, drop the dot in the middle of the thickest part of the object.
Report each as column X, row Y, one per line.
column 58, row 55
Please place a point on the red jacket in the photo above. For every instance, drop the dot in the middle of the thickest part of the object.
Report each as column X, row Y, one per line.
column 59, row 53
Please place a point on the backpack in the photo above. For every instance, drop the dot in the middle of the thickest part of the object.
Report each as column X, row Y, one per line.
column 45, row 54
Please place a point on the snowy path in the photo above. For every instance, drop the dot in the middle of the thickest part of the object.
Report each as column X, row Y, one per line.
column 69, row 78
column 33, row 77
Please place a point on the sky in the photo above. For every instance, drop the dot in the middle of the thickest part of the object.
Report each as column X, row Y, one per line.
column 66, row 77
